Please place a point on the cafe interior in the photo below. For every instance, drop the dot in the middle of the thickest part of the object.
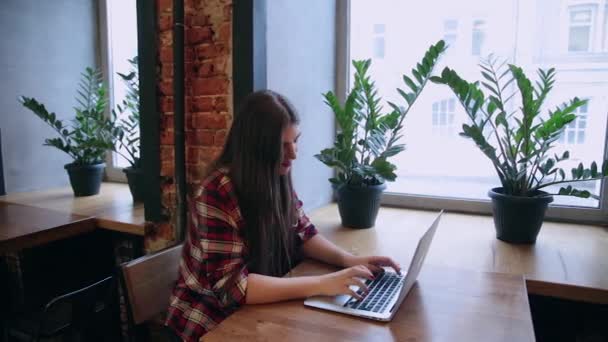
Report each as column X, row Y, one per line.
column 156, row 85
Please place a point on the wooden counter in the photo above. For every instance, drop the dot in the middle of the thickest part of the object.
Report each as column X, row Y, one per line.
column 22, row 226
column 112, row 208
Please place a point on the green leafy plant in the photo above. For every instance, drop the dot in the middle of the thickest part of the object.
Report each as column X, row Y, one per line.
column 366, row 136
column 90, row 134
column 518, row 142
column 129, row 141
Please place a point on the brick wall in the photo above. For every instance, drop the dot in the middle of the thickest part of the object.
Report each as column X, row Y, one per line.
column 208, row 88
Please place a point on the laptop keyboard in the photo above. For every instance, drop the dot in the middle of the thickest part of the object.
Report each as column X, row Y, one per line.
column 381, row 291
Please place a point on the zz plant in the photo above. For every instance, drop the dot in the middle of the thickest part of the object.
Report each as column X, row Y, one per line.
column 367, row 136
column 91, row 133
column 519, row 142
column 129, row 141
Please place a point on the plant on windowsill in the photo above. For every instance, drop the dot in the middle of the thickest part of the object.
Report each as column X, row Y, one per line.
column 87, row 137
column 367, row 138
column 129, row 141
column 518, row 143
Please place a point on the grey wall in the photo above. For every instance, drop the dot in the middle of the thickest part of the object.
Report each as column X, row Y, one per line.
column 45, row 47
column 300, row 37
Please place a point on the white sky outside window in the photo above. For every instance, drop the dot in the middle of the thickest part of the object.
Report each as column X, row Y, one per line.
column 122, row 45
column 526, row 33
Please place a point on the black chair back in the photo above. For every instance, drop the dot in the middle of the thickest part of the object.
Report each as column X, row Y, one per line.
column 81, row 315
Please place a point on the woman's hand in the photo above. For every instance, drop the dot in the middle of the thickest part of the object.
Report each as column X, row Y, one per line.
column 373, row 263
column 338, row 283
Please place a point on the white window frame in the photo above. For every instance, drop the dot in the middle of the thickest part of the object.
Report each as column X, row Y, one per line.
column 604, row 28
column 574, row 126
column 447, row 129
column 379, row 38
column 478, row 25
column 598, row 40
column 450, row 32
column 554, row 213
column 591, row 25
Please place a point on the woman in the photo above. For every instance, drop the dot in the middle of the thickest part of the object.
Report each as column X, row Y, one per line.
column 248, row 228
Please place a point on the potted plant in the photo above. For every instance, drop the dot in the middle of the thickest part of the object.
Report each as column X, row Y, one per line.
column 367, row 138
column 129, row 142
column 518, row 140
column 87, row 138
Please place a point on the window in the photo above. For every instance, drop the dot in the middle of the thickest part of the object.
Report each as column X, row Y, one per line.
column 434, row 172
column 119, row 45
column 450, row 32
column 574, row 134
column 579, row 35
column 443, row 117
column 606, row 27
column 478, row 37
column 378, row 41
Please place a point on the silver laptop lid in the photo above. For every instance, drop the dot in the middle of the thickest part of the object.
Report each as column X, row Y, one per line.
column 422, row 248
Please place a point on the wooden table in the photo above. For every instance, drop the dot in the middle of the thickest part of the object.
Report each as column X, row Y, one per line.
column 449, row 303
column 112, row 208
column 23, row 226
column 471, row 287
column 445, row 305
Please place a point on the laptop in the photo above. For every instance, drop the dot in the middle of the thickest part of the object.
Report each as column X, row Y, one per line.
column 386, row 292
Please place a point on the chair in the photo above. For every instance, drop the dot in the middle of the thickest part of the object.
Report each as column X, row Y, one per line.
column 148, row 282
column 75, row 316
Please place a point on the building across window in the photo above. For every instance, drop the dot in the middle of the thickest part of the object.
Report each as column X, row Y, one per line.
column 478, row 37
column 574, row 134
column 378, row 41
column 450, row 32
column 605, row 32
column 580, row 26
column 443, row 117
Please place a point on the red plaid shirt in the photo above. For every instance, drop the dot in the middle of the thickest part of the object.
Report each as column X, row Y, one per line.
column 212, row 273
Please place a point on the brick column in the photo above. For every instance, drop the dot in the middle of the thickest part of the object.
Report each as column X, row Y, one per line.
column 208, row 73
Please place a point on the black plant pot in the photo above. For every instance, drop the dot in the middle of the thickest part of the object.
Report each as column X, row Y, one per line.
column 359, row 205
column 518, row 219
column 85, row 179
column 135, row 178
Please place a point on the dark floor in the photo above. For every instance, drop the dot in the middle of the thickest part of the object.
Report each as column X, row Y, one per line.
column 557, row 320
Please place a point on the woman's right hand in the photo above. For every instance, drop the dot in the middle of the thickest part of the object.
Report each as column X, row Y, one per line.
column 338, row 283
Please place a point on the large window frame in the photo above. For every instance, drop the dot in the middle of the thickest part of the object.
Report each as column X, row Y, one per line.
column 415, row 201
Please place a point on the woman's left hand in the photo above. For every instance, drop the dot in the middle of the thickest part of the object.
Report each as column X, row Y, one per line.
column 373, row 263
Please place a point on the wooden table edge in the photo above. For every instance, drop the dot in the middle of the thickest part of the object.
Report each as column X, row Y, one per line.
column 122, row 227
column 567, row 291
column 80, row 226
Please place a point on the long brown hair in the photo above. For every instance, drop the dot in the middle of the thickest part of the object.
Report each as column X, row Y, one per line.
column 253, row 154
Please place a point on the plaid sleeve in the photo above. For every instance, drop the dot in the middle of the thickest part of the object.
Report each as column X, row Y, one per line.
column 216, row 217
column 305, row 228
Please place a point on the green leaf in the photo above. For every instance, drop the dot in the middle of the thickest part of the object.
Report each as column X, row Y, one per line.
column 410, row 83
column 593, row 170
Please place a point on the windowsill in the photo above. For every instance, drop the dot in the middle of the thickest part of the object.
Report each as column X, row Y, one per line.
column 112, row 208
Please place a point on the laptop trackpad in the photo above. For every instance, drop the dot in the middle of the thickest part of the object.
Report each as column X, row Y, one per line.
column 339, row 300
